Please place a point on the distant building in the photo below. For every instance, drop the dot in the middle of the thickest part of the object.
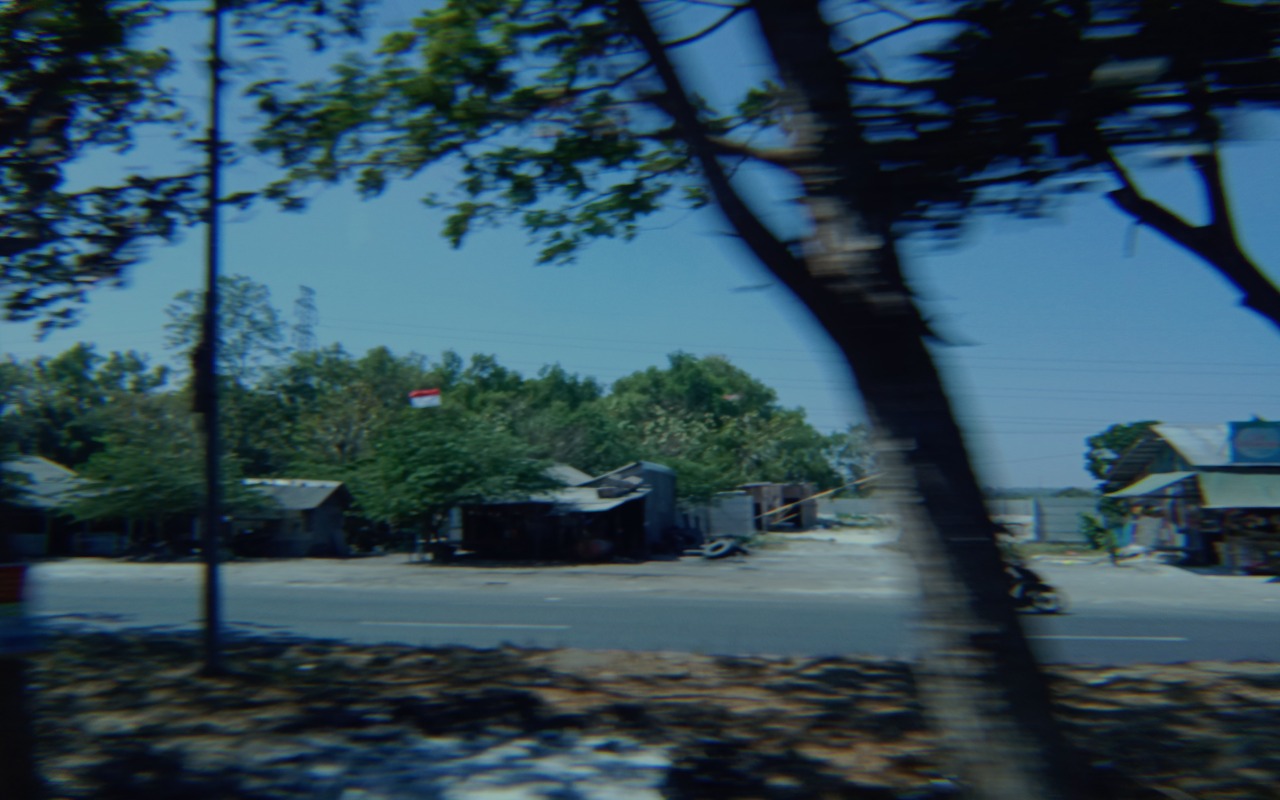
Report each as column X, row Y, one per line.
column 304, row 518
column 783, row 506
column 629, row 512
column 31, row 519
column 1211, row 490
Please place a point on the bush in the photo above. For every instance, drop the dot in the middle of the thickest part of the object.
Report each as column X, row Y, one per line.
column 1099, row 536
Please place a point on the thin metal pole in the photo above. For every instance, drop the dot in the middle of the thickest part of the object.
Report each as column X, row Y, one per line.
column 207, row 364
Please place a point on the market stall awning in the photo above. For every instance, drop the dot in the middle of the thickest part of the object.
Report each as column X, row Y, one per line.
column 1150, row 484
column 1240, row 489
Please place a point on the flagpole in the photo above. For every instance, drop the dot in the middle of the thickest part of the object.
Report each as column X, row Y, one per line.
column 421, row 398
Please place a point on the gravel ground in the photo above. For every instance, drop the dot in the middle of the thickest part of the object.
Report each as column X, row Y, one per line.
column 852, row 562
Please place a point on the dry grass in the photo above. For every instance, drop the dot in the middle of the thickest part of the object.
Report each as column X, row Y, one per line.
column 129, row 716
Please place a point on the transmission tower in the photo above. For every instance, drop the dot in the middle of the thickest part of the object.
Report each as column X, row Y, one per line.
column 306, row 317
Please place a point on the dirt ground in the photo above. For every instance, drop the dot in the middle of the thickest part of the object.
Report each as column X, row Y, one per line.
column 128, row 716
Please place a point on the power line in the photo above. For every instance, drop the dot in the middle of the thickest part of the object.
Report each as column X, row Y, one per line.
column 524, row 335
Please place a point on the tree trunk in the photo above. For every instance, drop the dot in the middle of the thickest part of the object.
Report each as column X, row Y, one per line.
column 979, row 678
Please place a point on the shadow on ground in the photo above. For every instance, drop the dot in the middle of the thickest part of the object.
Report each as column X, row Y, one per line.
column 128, row 715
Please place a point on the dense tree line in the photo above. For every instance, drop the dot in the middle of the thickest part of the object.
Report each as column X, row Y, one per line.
column 328, row 414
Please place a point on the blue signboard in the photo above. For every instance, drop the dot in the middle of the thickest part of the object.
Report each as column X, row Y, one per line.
column 1255, row 442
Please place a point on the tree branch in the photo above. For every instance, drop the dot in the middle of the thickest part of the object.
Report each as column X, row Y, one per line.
column 787, row 158
column 880, row 37
column 1215, row 243
column 1209, row 167
column 885, row 8
column 860, row 80
column 1129, row 199
column 762, row 242
column 707, row 31
column 1207, row 164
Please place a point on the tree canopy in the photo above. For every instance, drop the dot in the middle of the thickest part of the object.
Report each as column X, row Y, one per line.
column 325, row 413
column 1105, row 448
column 149, row 466
column 251, row 331
column 426, row 463
column 86, row 78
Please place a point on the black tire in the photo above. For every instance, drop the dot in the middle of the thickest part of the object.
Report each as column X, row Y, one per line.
column 718, row 549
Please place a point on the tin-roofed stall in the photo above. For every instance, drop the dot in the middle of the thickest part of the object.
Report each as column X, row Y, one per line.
column 783, row 506
column 625, row 513
column 1210, row 490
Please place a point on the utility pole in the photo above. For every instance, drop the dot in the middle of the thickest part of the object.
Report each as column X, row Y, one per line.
column 206, row 363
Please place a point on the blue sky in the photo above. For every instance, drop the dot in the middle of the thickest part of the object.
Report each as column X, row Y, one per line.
column 1056, row 329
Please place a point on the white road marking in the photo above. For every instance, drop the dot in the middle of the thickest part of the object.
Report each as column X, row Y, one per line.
column 1111, row 638
column 510, row 625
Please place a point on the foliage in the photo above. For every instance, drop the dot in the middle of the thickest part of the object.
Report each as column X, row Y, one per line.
column 549, row 110
column 76, row 81
column 853, row 457
column 14, row 483
column 319, row 414
column 1105, row 448
column 1075, row 491
column 428, row 462
column 1009, row 97
column 151, row 466
column 587, row 436
column 717, row 427
column 328, row 405
column 1096, row 533
column 55, row 406
column 1022, row 103
column 71, row 81
column 546, row 85
column 251, row 331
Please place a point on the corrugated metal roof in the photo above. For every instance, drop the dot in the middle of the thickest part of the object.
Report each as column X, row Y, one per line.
column 587, row 500
column 584, row 499
column 569, row 476
column 631, row 469
column 1239, row 489
column 1201, row 444
column 295, row 494
column 1134, row 461
column 1151, row 483
column 51, row 484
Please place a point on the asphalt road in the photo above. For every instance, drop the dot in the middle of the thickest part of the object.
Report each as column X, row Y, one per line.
column 549, row 613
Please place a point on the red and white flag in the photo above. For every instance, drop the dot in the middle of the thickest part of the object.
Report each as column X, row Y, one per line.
column 424, row 398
